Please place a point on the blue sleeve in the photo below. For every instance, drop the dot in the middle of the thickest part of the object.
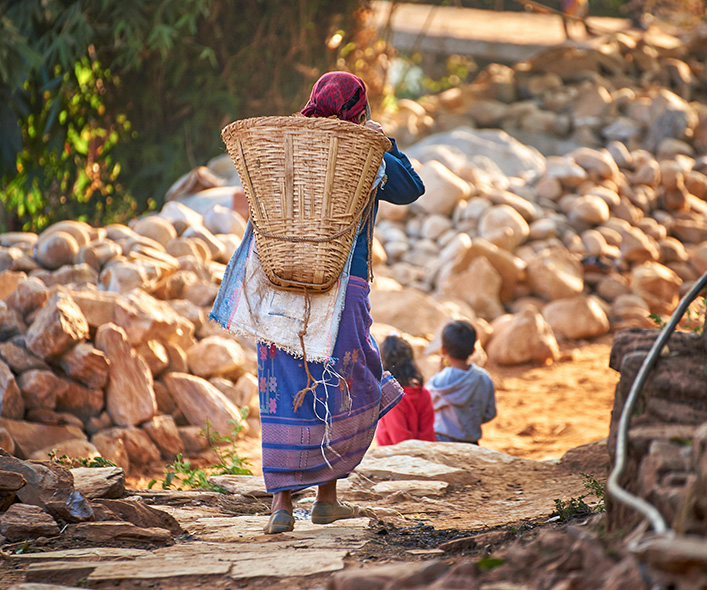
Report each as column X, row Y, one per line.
column 490, row 410
column 403, row 185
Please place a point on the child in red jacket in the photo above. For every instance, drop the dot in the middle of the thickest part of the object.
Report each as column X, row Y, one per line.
column 413, row 417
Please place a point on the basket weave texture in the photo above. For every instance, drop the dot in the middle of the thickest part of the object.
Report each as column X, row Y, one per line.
column 308, row 182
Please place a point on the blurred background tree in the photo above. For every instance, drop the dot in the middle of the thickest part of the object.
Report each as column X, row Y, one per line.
column 104, row 104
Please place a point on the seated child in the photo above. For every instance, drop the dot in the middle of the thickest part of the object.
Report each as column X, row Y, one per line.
column 462, row 393
column 413, row 417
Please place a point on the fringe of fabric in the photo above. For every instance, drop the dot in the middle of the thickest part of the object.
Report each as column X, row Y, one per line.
column 237, row 331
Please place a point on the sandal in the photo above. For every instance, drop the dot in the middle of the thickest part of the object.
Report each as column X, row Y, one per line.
column 281, row 521
column 325, row 513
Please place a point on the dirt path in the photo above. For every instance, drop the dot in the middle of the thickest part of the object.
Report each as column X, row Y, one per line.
column 545, row 411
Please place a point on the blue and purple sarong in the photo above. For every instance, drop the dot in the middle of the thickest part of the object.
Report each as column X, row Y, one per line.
column 328, row 435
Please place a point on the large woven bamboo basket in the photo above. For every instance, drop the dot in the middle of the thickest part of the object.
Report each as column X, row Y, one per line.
column 308, row 182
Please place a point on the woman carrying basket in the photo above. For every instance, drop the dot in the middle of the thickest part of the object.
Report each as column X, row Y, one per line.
column 322, row 434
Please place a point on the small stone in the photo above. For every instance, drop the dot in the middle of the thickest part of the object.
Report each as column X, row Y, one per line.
column 45, row 481
column 86, row 364
column 99, row 482
column 116, row 532
column 59, row 325
column 164, row 433
column 56, row 249
column 589, row 210
column 11, row 481
column 23, row 521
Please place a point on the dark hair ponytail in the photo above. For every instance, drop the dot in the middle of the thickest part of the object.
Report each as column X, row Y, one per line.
column 398, row 358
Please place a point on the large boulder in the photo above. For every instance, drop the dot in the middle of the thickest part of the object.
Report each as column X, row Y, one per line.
column 479, row 286
column 503, row 226
column 59, row 325
column 555, row 274
column 522, row 338
column 202, row 403
column 576, row 317
column 12, row 404
column 657, row 285
column 216, row 356
column 130, row 397
column 408, row 310
column 30, row 437
column 443, row 189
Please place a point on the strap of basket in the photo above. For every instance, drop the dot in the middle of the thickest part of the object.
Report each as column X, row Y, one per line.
column 367, row 217
column 311, row 383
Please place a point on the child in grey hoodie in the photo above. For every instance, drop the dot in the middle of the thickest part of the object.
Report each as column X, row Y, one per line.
column 463, row 394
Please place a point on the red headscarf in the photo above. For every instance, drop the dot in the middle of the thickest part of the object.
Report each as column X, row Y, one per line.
column 337, row 93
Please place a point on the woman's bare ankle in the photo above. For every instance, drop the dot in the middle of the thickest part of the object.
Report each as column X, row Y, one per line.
column 282, row 501
column 327, row 492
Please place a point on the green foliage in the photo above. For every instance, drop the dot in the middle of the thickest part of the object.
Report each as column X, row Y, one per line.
column 576, row 507
column 692, row 321
column 181, row 474
column 93, row 462
column 572, row 508
column 104, row 104
column 412, row 79
column 657, row 320
column 488, row 563
column 597, row 488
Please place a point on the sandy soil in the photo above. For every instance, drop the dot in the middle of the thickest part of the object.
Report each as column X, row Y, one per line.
column 545, row 411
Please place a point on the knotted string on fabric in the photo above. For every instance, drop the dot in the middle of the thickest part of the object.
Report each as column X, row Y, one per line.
column 311, row 383
column 327, row 418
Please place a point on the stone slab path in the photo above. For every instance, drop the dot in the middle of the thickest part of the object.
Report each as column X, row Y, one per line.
column 415, row 485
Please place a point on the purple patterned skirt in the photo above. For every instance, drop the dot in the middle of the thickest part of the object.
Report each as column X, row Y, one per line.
column 327, row 436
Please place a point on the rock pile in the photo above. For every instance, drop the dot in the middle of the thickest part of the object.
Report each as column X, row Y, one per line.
column 104, row 343
column 43, row 499
column 597, row 222
column 103, row 331
column 604, row 229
